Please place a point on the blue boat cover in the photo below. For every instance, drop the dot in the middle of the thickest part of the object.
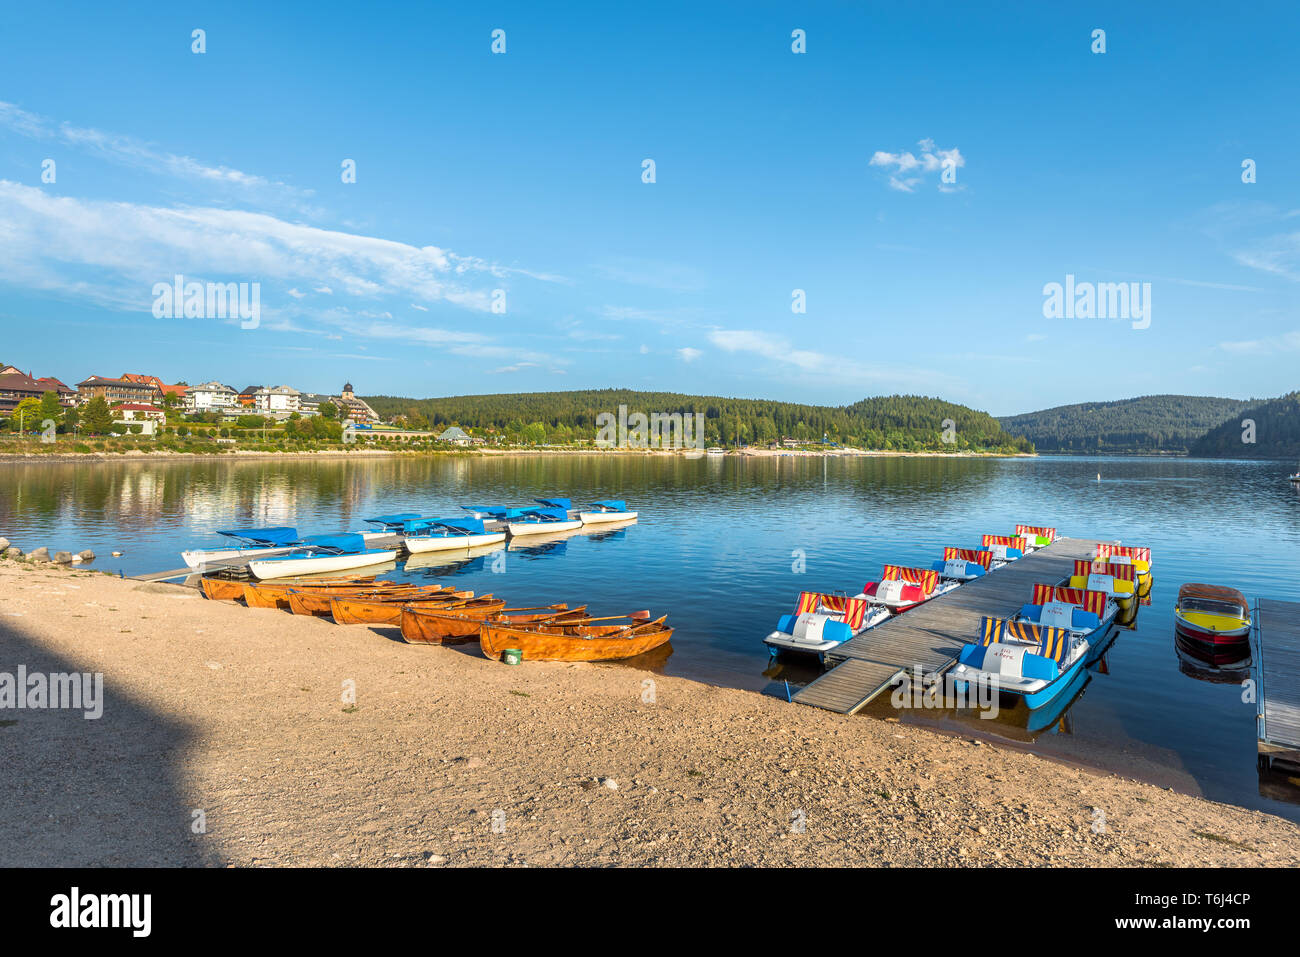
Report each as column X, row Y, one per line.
column 497, row 512
column 397, row 518
column 831, row 630
column 614, row 505
column 277, row 535
column 347, row 544
column 555, row 514
column 974, row 569
column 563, row 503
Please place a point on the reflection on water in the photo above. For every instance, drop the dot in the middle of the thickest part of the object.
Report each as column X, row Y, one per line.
column 716, row 548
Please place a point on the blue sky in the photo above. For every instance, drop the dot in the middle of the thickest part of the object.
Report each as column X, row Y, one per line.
column 522, row 172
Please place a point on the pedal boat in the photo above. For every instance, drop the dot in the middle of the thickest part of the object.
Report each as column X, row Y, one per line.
column 445, row 534
column 322, row 553
column 546, row 520
column 822, row 621
column 902, row 588
column 1079, row 612
column 386, row 525
column 1034, row 662
column 1010, row 546
column 1212, row 616
column 1138, row 556
column 1036, row 536
column 958, row 570
column 1122, row 592
column 254, row 542
column 607, row 511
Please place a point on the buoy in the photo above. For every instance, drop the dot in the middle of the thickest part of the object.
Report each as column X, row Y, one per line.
column 1098, row 476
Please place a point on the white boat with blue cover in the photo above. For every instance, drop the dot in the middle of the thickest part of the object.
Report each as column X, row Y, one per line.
column 254, row 542
column 547, row 520
column 322, row 553
column 444, row 534
column 1037, row 663
column 611, row 510
column 1003, row 554
column 386, row 525
column 822, row 621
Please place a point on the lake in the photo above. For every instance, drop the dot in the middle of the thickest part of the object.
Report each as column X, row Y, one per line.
column 720, row 544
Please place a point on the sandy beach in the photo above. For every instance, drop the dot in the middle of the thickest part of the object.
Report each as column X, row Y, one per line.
column 226, row 740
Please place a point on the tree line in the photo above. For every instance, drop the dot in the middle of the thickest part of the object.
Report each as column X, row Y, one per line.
column 1149, row 423
column 898, row 422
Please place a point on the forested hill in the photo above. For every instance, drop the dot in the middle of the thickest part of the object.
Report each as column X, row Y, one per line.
column 899, row 422
column 1276, row 432
column 1149, row 423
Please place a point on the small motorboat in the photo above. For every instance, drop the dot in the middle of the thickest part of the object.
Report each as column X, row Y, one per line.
column 822, row 621
column 1214, row 617
column 901, row 588
column 387, row 525
column 589, row 639
column 1138, row 556
column 1077, row 610
column 1118, row 582
column 1020, row 658
column 443, row 534
column 1294, row 479
column 424, row 624
column 612, row 510
column 546, row 520
column 254, row 542
column 321, row 553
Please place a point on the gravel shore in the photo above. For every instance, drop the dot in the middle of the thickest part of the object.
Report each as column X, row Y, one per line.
column 228, row 738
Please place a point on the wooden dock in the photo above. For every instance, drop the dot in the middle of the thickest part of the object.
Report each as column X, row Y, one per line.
column 1277, row 671
column 931, row 635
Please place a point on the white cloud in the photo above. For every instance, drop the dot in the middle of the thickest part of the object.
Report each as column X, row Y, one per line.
column 930, row 160
column 687, row 354
column 296, row 294
column 1286, row 342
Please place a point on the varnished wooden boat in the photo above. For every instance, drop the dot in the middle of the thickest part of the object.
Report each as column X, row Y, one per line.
column 388, row 611
column 574, row 642
column 228, row 589
column 426, row 625
column 221, row 589
column 318, row 602
column 276, row 594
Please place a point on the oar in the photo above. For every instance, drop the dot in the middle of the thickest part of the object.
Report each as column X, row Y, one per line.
column 634, row 627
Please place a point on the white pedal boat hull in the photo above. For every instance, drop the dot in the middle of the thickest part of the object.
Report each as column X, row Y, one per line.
column 315, row 564
column 421, row 544
column 196, row 558
column 519, row 529
column 599, row 518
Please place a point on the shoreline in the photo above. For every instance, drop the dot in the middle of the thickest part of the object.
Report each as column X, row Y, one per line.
column 136, row 455
column 447, row 758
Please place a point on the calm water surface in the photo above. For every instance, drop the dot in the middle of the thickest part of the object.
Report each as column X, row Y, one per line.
column 717, row 545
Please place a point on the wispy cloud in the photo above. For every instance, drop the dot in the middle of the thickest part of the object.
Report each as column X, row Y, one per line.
column 1286, row 342
column 908, row 170
column 656, row 273
column 687, row 354
column 129, row 151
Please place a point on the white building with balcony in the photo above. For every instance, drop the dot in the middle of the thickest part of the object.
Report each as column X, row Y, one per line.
column 210, row 397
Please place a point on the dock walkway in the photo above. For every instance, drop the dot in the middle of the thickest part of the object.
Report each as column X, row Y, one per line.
column 931, row 635
column 1277, row 668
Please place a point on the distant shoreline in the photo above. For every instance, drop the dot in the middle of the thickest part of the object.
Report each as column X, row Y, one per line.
column 136, row 455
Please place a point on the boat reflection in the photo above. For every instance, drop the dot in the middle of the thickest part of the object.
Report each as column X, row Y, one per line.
column 1226, row 664
column 439, row 564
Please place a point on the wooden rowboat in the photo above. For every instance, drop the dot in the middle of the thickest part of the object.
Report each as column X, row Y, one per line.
column 229, row 589
column 276, row 595
column 574, row 642
column 427, row 625
column 388, row 611
column 318, row 603
column 221, row 589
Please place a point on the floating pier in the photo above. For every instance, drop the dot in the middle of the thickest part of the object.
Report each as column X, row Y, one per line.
column 931, row 635
column 1277, row 670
